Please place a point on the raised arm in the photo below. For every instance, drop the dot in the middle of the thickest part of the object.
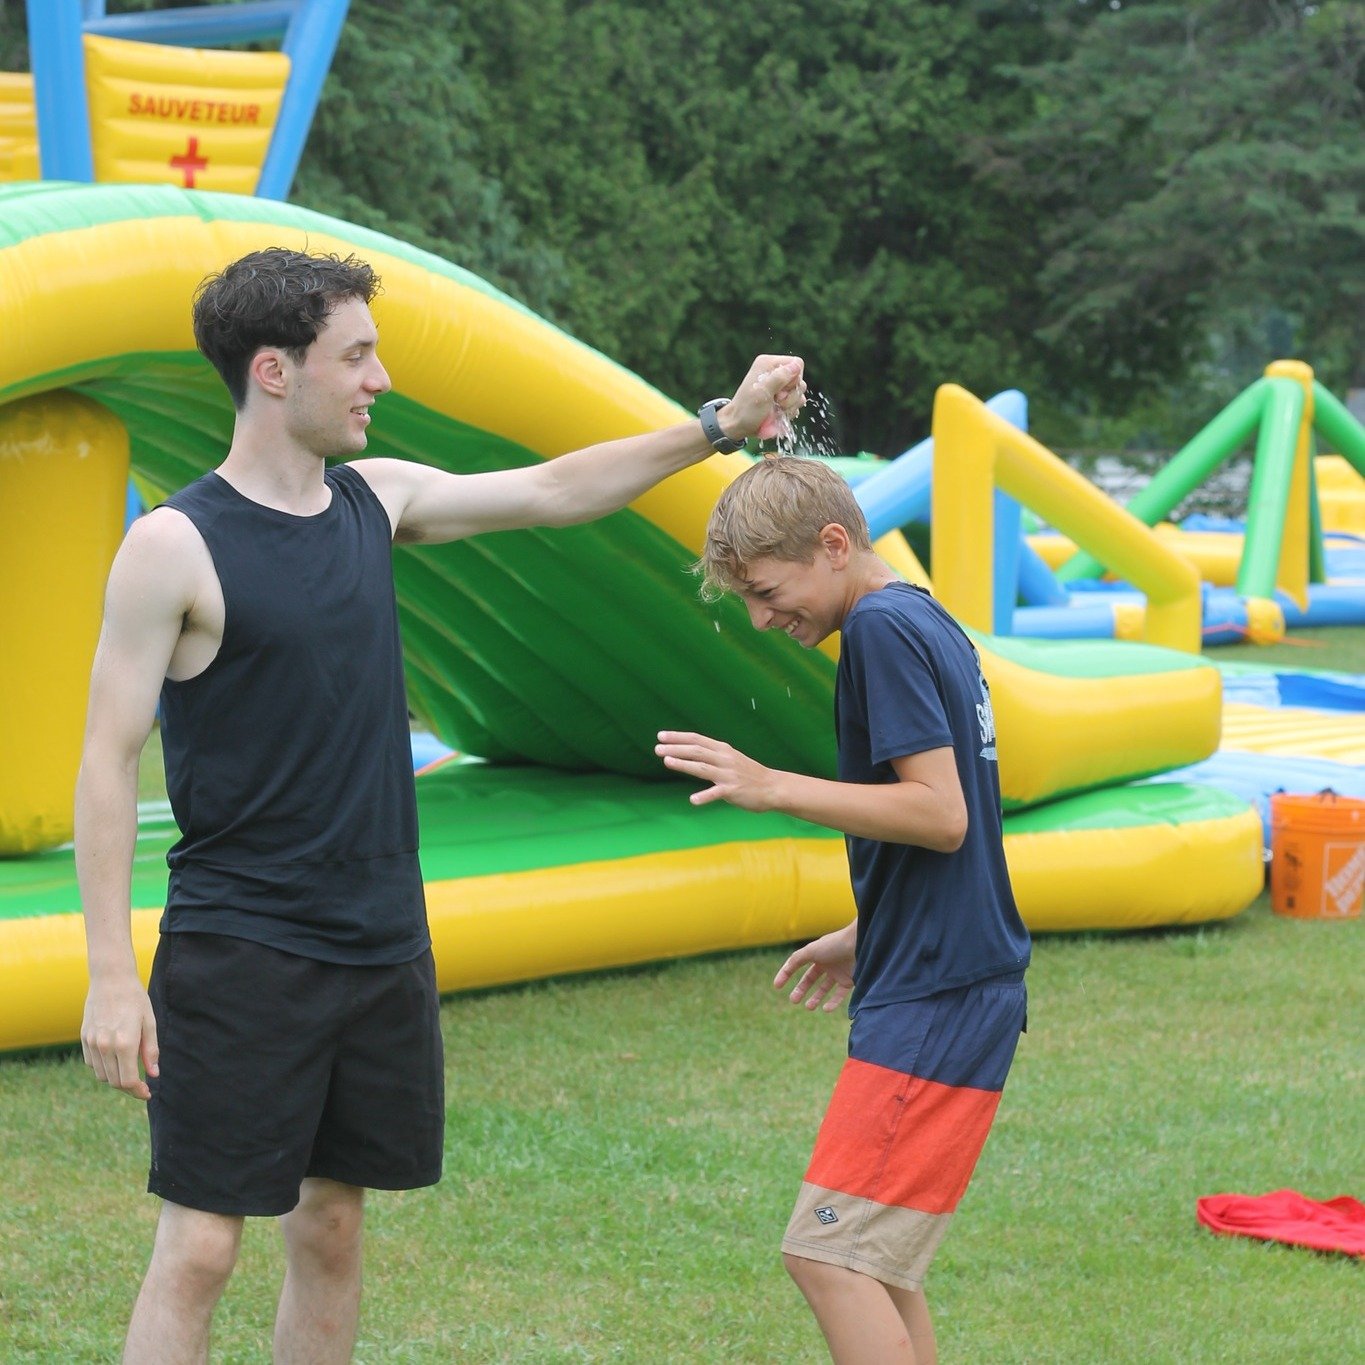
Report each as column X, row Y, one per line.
column 430, row 505
column 148, row 599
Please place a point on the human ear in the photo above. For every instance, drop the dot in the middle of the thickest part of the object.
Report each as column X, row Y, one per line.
column 835, row 542
column 267, row 370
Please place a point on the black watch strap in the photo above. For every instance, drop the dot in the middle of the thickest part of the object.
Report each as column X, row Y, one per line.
column 711, row 428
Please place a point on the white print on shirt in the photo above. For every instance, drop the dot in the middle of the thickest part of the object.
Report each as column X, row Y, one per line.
column 985, row 719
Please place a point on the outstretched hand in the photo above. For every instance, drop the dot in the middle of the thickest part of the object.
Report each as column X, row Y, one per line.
column 734, row 777
column 768, row 398
column 828, row 975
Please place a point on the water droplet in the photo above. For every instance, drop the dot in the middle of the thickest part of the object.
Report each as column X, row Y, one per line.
column 812, row 433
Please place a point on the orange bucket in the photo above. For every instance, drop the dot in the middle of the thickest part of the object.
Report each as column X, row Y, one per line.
column 1317, row 855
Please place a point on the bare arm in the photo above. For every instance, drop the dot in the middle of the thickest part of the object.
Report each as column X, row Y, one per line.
column 146, row 603
column 430, row 505
column 925, row 807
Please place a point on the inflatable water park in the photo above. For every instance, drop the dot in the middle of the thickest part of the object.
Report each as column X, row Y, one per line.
column 540, row 664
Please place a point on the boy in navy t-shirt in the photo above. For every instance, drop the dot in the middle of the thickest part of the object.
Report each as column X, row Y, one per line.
column 935, row 959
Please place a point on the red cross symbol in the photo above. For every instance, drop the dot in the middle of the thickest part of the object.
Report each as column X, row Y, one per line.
column 190, row 161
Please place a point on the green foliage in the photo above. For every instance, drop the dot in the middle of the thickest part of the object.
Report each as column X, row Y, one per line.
column 1200, row 171
column 1126, row 207
column 721, row 184
column 13, row 38
column 394, row 147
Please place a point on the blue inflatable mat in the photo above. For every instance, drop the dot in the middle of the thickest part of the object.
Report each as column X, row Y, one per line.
column 1256, row 777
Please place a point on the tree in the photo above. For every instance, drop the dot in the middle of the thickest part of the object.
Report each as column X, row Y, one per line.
column 1200, row 169
column 788, row 176
column 394, row 146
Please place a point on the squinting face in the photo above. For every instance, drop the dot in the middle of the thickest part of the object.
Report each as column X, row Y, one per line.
column 332, row 391
column 805, row 601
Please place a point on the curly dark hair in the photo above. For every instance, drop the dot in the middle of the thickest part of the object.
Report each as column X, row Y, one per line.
column 275, row 297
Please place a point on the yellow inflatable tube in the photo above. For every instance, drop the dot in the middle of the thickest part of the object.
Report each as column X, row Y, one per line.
column 492, row 930
column 63, row 490
column 977, row 451
column 1207, row 869
column 448, row 346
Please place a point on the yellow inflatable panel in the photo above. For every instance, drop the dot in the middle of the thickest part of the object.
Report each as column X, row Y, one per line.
column 1161, row 716
column 1206, row 870
column 63, row 487
column 491, row 930
column 1291, row 571
column 18, row 128
column 1292, row 730
column 181, row 116
column 1341, row 495
column 511, row 927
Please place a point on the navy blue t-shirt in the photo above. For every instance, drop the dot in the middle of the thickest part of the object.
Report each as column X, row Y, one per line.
column 910, row 680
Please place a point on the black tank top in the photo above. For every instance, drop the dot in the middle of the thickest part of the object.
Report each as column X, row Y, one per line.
column 288, row 761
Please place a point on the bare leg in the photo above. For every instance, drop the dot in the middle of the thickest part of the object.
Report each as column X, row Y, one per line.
column 861, row 1322
column 191, row 1261
column 914, row 1310
column 320, row 1304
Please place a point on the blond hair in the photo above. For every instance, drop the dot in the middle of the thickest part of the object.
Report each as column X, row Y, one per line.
column 776, row 509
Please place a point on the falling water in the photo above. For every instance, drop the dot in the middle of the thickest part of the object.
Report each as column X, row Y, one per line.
column 812, row 433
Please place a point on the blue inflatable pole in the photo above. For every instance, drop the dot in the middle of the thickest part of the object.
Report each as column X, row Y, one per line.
column 310, row 45
column 57, row 60
column 1006, row 539
column 901, row 493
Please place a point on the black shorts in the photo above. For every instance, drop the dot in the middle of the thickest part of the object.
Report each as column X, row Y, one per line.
column 275, row 1067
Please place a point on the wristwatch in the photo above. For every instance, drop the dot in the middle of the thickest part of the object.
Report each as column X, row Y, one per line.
column 711, row 428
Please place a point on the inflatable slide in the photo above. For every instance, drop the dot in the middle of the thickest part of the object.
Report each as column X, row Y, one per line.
column 553, row 655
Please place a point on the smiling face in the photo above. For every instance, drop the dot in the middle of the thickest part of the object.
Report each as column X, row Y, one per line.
column 806, row 601
column 329, row 394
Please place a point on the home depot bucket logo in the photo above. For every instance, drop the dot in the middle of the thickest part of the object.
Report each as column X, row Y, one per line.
column 1343, row 877
column 182, row 116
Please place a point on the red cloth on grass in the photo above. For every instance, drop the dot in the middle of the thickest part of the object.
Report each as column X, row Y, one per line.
column 1287, row 1216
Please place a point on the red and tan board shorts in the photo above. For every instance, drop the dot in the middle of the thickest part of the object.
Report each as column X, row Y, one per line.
column 906, row 1124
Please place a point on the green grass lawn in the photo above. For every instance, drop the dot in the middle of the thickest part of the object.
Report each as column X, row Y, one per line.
column 1337, row 647
column 623, row 1150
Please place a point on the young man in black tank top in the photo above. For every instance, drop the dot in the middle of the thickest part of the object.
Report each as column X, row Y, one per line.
column 294, row 964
